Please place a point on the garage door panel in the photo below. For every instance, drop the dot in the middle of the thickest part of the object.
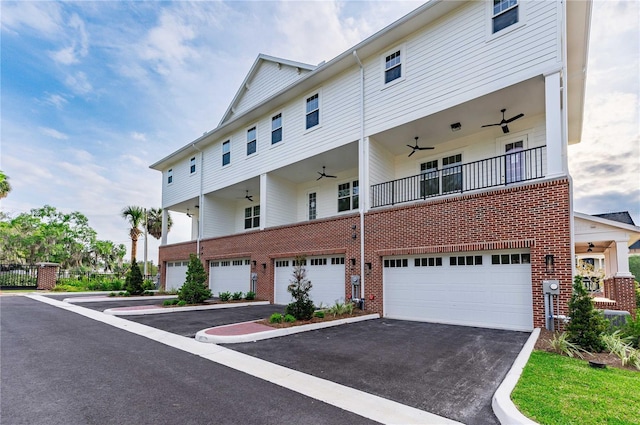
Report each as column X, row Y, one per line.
column 176, row 274
column 327, row 276
column 230, row 276
column 476, row 293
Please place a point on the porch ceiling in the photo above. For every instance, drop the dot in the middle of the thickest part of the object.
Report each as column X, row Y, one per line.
column 433, row 130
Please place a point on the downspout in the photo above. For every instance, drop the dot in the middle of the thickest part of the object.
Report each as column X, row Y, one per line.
column 362, row 162
column 200, row 204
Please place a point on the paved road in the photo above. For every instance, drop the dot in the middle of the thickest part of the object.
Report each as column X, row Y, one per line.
column 61, row 368
column 452, row 371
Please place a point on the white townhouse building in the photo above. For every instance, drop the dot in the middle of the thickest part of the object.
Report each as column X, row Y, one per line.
column 422, row 171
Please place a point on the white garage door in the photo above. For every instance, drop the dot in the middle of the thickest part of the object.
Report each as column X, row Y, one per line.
column 230, row 276
column 490, row 290
column 176, row 274
column 326, row 274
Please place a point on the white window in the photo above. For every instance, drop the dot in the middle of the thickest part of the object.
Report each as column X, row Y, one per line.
column 251, row 141
column 252, row 217
column 192, row 165
column 276, row 129
column 313, row 211
column 392, row 67
column 170, row 176
column 348, row 196
column 505, row 13
column 430, row 179
column 313, row 111
column 226, row 153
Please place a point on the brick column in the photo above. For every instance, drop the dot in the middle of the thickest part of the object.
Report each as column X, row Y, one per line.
column 622, row 291
column 47, row 275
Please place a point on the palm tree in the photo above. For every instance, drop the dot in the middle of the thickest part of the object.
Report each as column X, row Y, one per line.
column 154, row 222
column 5, row 187
column 135, row 216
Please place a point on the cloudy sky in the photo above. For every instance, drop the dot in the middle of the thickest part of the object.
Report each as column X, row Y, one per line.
column 92, row 93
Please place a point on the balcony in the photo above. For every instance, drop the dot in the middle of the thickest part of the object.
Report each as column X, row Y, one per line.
column 501, row 170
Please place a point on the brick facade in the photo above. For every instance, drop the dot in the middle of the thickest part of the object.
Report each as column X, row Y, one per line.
column 622, row 291
column 47, row 275
column 536, row 216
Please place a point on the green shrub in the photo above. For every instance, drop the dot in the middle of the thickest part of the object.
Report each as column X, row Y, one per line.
column 194, row 291
column 133, row 282
column 637, row 288
column 126, row 294
column 121, row 293
column 631, row 330
column 148, row 285
column 587, row 324
column 236, row 296
column 276, row 318
column 250, row 296
column 181, row 303
column 302, row 307
column 224, row 296
column 289, row 318
column 319, row 314
column 169, row 302
column 112, row 294
column 561, row 345
column 339, row 308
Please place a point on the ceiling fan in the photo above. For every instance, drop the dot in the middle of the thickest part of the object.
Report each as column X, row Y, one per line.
column 188, row 213
column 249, row 197
column 504, row 122
column 324, row 174
column 418, row 148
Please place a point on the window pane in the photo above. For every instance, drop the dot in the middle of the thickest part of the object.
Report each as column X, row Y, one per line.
column 495, row 259
column 453, row 261
column 344, row 204
column 276, row 136
column 312, row 103
column 505, row 19
column 251, row 147
column 226, row 158
column 504, row 258
column 478, row 260
column 313, row 119
column 515, row 258
column 247, row 212
column 247, row 223
column 393, row 74
column 526, row 259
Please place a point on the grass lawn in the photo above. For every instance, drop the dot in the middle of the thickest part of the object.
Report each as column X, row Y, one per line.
column 554, row 389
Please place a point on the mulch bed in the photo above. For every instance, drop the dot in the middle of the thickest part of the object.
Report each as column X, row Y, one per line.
column 327, row 318
column 544, row 344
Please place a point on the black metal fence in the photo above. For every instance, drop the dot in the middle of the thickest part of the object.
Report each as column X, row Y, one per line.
column 491, row 172
column 18, row 276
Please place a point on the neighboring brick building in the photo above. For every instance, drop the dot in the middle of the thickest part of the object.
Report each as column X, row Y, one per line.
column 423, row 171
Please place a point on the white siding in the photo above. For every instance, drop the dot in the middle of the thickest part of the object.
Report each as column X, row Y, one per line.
column 267, row 81
column 452, row 61
column 381, row 163
column 184, row 186
column 282, row 200
column 219, row 217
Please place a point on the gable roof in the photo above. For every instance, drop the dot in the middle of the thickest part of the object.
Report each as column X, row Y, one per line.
column 302, row 68
column 622, row 217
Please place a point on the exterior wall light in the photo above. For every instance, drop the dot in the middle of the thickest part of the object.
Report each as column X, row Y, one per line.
column 456, row 126
column 549, row 263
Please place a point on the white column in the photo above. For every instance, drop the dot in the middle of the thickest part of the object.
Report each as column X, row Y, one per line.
column 263, row 201
column 556, row 160
column 165, row 219
column 622, row 256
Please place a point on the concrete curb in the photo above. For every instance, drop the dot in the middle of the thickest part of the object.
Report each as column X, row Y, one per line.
column 161, row 310
column 503, row 407
column 79, row 300
column 202, row 336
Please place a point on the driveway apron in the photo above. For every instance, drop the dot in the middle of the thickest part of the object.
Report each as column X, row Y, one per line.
column 448, row 370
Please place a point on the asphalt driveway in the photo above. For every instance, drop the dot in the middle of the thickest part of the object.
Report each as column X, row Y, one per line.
column 452, row 371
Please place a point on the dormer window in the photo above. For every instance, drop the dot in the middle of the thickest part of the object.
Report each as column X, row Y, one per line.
column 505, row 14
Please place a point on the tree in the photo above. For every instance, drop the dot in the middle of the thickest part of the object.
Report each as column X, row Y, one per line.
column 134, row 280
column 154, row 222
column 634, row 266
column 194, row 291
column 135, row 216
column 302, row 307
column 587, row 324
column 5, row 187
column 45, row 234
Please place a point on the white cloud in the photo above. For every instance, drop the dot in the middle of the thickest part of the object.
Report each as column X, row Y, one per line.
column 55, row 100
column 139, row 136
column 78, row 83
column 43, row 17
column 51, row 132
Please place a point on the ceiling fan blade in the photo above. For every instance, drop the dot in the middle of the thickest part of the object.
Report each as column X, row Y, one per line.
column 491, row 125
column 424, row 148
column 412, row 147
column 331, row 177
column 514, row 118
column 321, row 176
column 412, row 152
column 505, row 129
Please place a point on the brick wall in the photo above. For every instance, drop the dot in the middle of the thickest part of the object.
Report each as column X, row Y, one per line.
column 47, row 275
column 621, row 290
column 534, row 216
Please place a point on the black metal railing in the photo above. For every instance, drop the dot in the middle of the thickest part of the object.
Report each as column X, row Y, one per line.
column 18, row 276
column 497, row 171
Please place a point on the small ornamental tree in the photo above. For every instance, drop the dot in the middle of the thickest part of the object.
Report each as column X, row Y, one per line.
column 194, row 291
column 134, row 280
column 302, row 307
column 587, row 324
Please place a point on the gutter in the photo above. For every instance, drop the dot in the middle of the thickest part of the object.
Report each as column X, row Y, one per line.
column 362, row 163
